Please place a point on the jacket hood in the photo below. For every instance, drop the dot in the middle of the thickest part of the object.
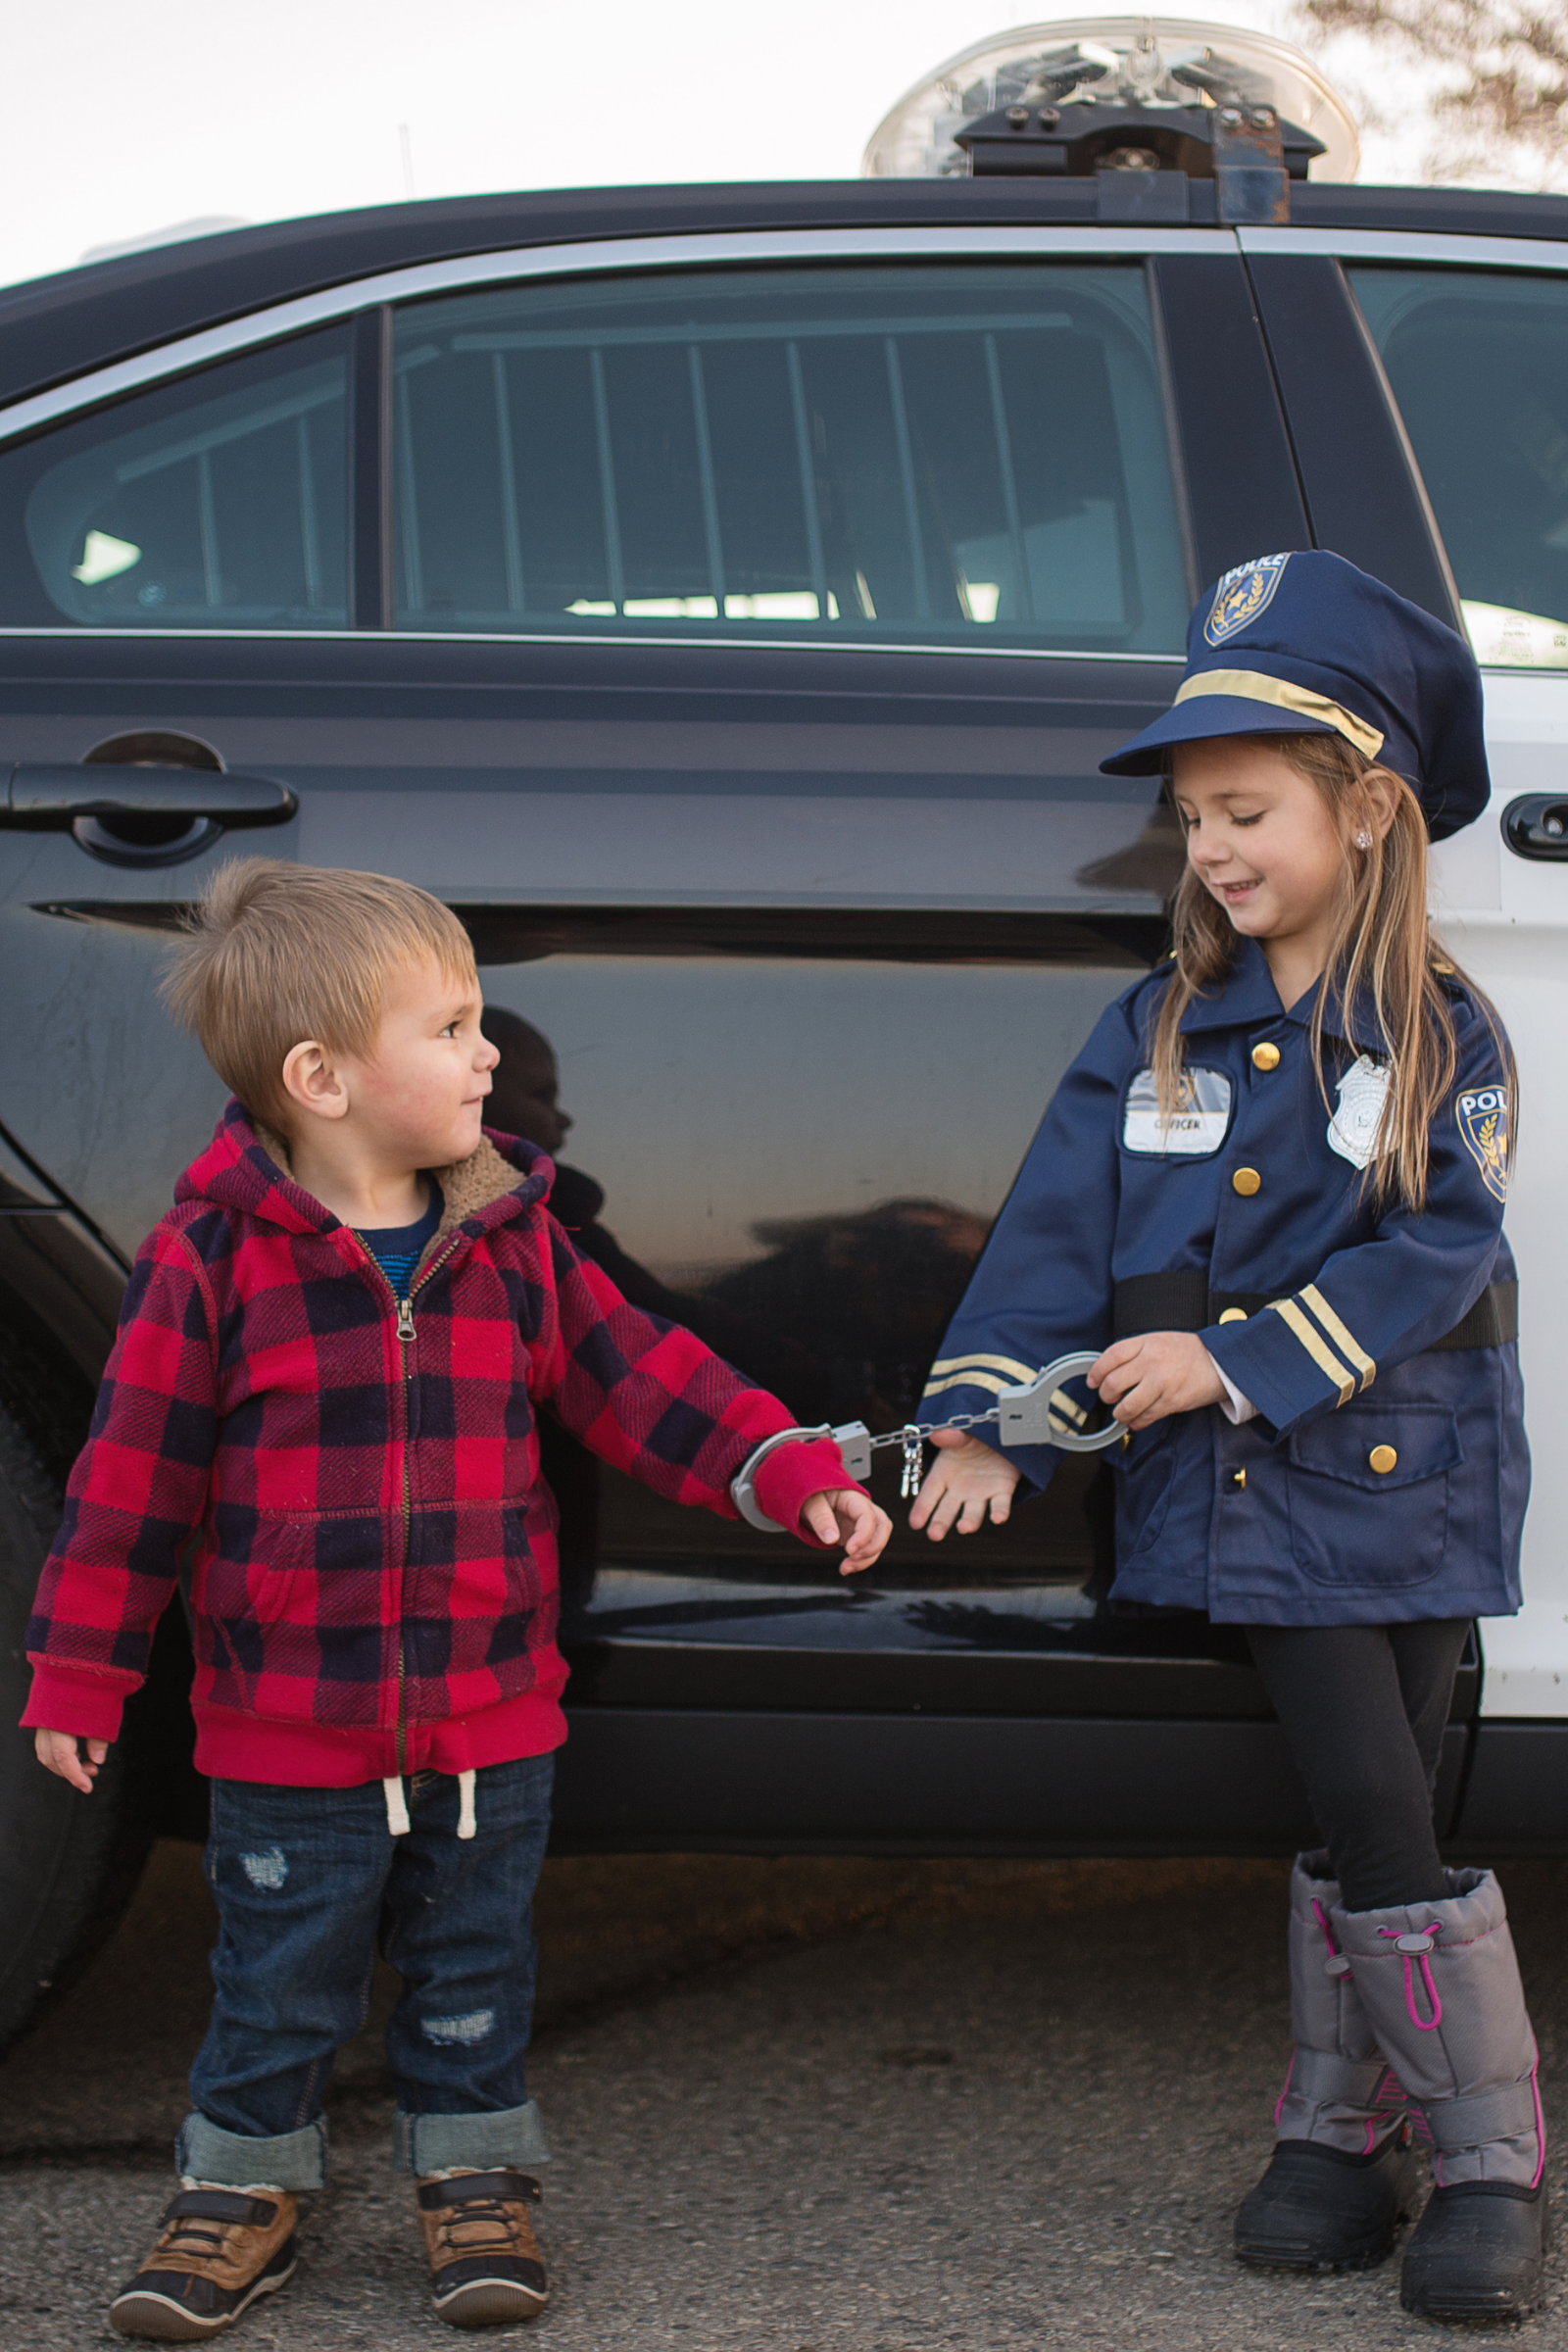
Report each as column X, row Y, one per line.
column 246, row 1168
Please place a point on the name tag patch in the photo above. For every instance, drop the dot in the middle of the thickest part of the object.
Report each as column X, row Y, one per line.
column 1355, row 1126
column 1197, row 1127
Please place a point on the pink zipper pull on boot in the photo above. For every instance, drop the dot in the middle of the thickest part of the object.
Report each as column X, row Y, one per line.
column 1343, row 2171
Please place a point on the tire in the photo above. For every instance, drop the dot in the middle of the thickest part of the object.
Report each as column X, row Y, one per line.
column 69, row 1864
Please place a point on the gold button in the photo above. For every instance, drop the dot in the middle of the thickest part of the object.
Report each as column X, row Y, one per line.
column 1247, row 1181
column 1265, row 1058
column 1238, row 1477
column 1383, row 1457
column 1234, row 1314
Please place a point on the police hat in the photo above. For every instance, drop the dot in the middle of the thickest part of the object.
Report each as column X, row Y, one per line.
column 1306, row 644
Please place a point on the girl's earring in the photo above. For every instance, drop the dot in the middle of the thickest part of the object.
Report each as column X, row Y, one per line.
column 1363, row 839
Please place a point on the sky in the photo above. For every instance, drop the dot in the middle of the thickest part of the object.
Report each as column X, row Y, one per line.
column 121, row 120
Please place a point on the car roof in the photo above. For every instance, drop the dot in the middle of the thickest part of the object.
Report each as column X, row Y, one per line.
column 53, row 328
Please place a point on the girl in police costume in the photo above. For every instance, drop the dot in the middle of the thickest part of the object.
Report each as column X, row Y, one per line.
column 1272, row 1189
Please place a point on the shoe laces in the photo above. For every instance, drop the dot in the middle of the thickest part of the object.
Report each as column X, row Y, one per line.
column 195, row 2237
column 497, row 2227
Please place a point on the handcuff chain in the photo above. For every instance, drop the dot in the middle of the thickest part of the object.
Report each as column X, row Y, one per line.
column 929, row 1429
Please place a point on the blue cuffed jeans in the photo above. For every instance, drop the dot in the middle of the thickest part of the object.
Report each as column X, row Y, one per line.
column 310, row 1882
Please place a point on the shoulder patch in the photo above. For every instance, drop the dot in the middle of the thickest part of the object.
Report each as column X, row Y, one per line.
column 1241, row 595
column 1197, row 1127
column 1483, row 1117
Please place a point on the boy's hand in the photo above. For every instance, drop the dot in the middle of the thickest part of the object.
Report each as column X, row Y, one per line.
column 1162, row 1372
column 844, row 1515
column 963, row 1483
column 57, row 1752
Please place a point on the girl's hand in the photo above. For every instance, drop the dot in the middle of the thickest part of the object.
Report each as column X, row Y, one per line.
column 846, row 1516
column 57, row 1752
column 965, row 1480
column 1162, row 1372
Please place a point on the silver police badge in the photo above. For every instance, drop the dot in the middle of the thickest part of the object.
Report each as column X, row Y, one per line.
column 1241, row 595
column 1354, row 1127
column 1483, row 1116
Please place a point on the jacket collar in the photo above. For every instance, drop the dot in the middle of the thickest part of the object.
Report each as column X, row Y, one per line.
column 1247, row 996
column 246, row 1167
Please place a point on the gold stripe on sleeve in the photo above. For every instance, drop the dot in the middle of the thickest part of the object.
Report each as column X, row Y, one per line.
column 972, row 1380
column 1348, row 1345
column 988, row 1363
column 1317, row 1346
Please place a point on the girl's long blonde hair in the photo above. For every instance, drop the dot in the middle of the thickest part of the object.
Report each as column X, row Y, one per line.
column 1383, row 949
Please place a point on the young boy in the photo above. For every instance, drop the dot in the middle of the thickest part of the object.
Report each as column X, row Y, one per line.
column 329, row 1362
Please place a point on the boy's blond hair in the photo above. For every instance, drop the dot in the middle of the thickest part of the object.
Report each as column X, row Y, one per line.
column 275, row 954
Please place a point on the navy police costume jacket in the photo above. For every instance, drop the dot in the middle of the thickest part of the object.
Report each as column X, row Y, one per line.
column 1386, row 1473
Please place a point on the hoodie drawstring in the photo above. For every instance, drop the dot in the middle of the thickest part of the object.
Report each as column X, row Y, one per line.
column 397, row 1811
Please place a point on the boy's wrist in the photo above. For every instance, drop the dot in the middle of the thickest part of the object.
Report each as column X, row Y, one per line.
column 81, row 1704
column 787, row 1479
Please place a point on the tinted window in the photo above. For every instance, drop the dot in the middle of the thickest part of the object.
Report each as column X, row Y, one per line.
column 216, row 501
column 1478, row 366
column 977, row 454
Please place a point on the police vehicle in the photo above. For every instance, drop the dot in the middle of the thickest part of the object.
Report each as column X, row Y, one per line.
column 723, row 597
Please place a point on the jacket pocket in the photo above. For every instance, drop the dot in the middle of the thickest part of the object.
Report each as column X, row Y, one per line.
column 472, row 1618
column 1368, row 1491
column 1147, row 1477
column 295, row 1630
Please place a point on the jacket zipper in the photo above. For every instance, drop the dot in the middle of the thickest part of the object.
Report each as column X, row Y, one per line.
column 405, row 1332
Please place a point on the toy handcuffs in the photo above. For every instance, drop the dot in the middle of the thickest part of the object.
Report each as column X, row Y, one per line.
column 1034, row 1414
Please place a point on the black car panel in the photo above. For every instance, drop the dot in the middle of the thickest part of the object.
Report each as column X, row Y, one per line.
column 1362, row 498
column 1241, row 487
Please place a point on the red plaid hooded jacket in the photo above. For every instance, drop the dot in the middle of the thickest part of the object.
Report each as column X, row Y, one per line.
column 374, row 1567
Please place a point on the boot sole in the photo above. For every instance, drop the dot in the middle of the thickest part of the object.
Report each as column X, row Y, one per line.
column 156, row 2319
column 1272, row 2254
column 1475, row 2307
column 490, row 2303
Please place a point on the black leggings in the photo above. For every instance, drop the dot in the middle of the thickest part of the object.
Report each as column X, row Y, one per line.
column 1363, row 1708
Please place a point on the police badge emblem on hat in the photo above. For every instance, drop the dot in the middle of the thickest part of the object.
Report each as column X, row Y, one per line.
column 1241, row 595
column 1356, row 1124
column 1483, row 1116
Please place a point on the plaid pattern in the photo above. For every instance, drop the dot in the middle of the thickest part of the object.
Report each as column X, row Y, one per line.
column 374, row 1546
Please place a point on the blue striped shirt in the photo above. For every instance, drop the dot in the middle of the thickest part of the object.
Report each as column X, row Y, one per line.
column 398, row 1248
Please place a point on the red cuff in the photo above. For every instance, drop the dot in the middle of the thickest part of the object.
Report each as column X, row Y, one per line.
column 790, row 1475
column 89, row 1706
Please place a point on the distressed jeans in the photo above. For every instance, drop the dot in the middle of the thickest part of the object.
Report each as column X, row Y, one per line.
column 310, row 1884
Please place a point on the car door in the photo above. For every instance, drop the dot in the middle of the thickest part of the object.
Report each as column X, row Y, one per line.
column 1445, row 467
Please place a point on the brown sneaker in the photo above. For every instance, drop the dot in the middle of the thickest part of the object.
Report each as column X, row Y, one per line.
column 484, row 2259
column 216, row 2251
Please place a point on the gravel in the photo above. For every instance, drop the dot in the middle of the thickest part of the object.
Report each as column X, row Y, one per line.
column 818, row 2105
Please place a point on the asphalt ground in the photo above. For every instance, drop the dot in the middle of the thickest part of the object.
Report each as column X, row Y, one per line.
column 817, row 2105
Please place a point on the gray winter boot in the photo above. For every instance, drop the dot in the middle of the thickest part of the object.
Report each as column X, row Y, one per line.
column 1338, row 2182
column 1441, row 1984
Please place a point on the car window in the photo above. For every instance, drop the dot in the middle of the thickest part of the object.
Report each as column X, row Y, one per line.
column 1478, row 362
column 977, row 455
column 219, row 501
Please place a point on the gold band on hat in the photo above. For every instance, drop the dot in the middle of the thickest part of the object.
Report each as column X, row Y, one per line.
column 1255, row 686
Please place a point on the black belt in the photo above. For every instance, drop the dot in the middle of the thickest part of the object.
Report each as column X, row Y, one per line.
column 1185, row 1303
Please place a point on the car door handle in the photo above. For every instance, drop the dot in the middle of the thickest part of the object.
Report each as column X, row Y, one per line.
column 1536, row 826
column 45, row 798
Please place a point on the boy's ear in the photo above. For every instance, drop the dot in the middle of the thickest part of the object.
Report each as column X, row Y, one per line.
column 311, row 1081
